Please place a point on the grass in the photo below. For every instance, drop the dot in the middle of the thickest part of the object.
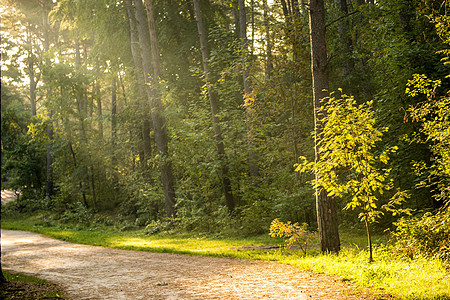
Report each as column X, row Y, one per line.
column 20, row 286
column 402, row 278
column 14, row 277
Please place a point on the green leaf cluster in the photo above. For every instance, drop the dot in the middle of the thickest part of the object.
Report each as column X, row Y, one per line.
column 349, row 163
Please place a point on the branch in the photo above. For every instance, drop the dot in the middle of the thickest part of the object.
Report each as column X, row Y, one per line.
column 342, row 17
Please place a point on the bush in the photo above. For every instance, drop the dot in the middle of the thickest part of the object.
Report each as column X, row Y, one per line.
column 295, row 234
column 256, row 217
column 427, row 236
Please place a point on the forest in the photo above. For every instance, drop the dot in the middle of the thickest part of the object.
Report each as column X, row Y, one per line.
column 231, row 116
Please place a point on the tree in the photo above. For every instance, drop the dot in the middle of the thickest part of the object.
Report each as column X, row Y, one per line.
column 434, row 115
column 226, row 184
column 325, row 205
column 156, row 107
column 135, row 52
column 46, row 32
column 348, row 166
column 252, row 155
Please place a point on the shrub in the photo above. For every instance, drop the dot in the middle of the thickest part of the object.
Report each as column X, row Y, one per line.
column 427, row 236
column 295, row 234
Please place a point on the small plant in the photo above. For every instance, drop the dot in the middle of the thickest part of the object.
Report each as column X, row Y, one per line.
column 295, row 234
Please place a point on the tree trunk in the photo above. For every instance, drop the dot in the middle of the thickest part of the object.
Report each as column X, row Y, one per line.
column 31, row 75
column 49, row 180
column 326, row 207
column 226, row 184
column 114, row 109
column 292, row 19
column 156, row 108
column 252, row 155
column 269, row 64
column 99, row 109
column 369, row 238
column 114, row 158
column 345, row 41
column 146, row 145
column 80, row 183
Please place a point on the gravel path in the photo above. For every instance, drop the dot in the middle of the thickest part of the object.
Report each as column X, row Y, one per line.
column 89, row 272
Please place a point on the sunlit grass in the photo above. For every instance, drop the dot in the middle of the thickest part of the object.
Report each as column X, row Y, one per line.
column 405, row 279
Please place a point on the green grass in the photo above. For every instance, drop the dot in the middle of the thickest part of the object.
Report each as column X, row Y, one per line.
column 22, row 278
column 402, row 278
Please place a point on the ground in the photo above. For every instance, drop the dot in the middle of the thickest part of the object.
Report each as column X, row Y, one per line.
column 8, row 196
column 29, row 290
column 89, row 272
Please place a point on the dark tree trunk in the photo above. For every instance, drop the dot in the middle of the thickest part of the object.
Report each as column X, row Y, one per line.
column 31, row 75
column 345, row 41
column 269, row 63
column 326, row 207
column 292, row 19
column 49, row 180
column 156, row 109
column 146, row 145
column 80, row 183
column 99, row 109
column 226, row 184
column 114, row 158
column 252, row 155
column 114, row 109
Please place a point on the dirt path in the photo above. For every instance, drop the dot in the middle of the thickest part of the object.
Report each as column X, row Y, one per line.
column 8, row 196
column 88, row 272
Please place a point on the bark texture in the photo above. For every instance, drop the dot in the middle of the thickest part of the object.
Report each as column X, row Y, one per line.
column 326, row 206
column 154, row 96
column 144, row 105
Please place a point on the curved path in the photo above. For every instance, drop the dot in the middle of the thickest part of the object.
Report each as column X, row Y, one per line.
column 89, row 272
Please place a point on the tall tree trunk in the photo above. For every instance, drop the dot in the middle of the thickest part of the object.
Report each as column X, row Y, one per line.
column 114, row 159
column 226, row 184
column 345, row 41
column 114, row 109
column 80, row 183
column 156, row 108
column 31, row 74
column 252, row 155
column 145, row 126
column 326, row 206
column 99, row 109
column 269, row 64
column 49, row 179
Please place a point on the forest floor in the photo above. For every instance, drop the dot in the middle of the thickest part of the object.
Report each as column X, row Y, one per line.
column 90, row 272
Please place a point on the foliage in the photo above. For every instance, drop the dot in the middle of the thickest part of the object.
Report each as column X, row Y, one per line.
column 426, row 235
column 429, row 235
column 295, row 234
column 22, row 155
column 349, row 165
column 105, row 156
column 434, row 116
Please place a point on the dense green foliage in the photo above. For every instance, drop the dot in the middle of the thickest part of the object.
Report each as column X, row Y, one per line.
column 78, row 138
